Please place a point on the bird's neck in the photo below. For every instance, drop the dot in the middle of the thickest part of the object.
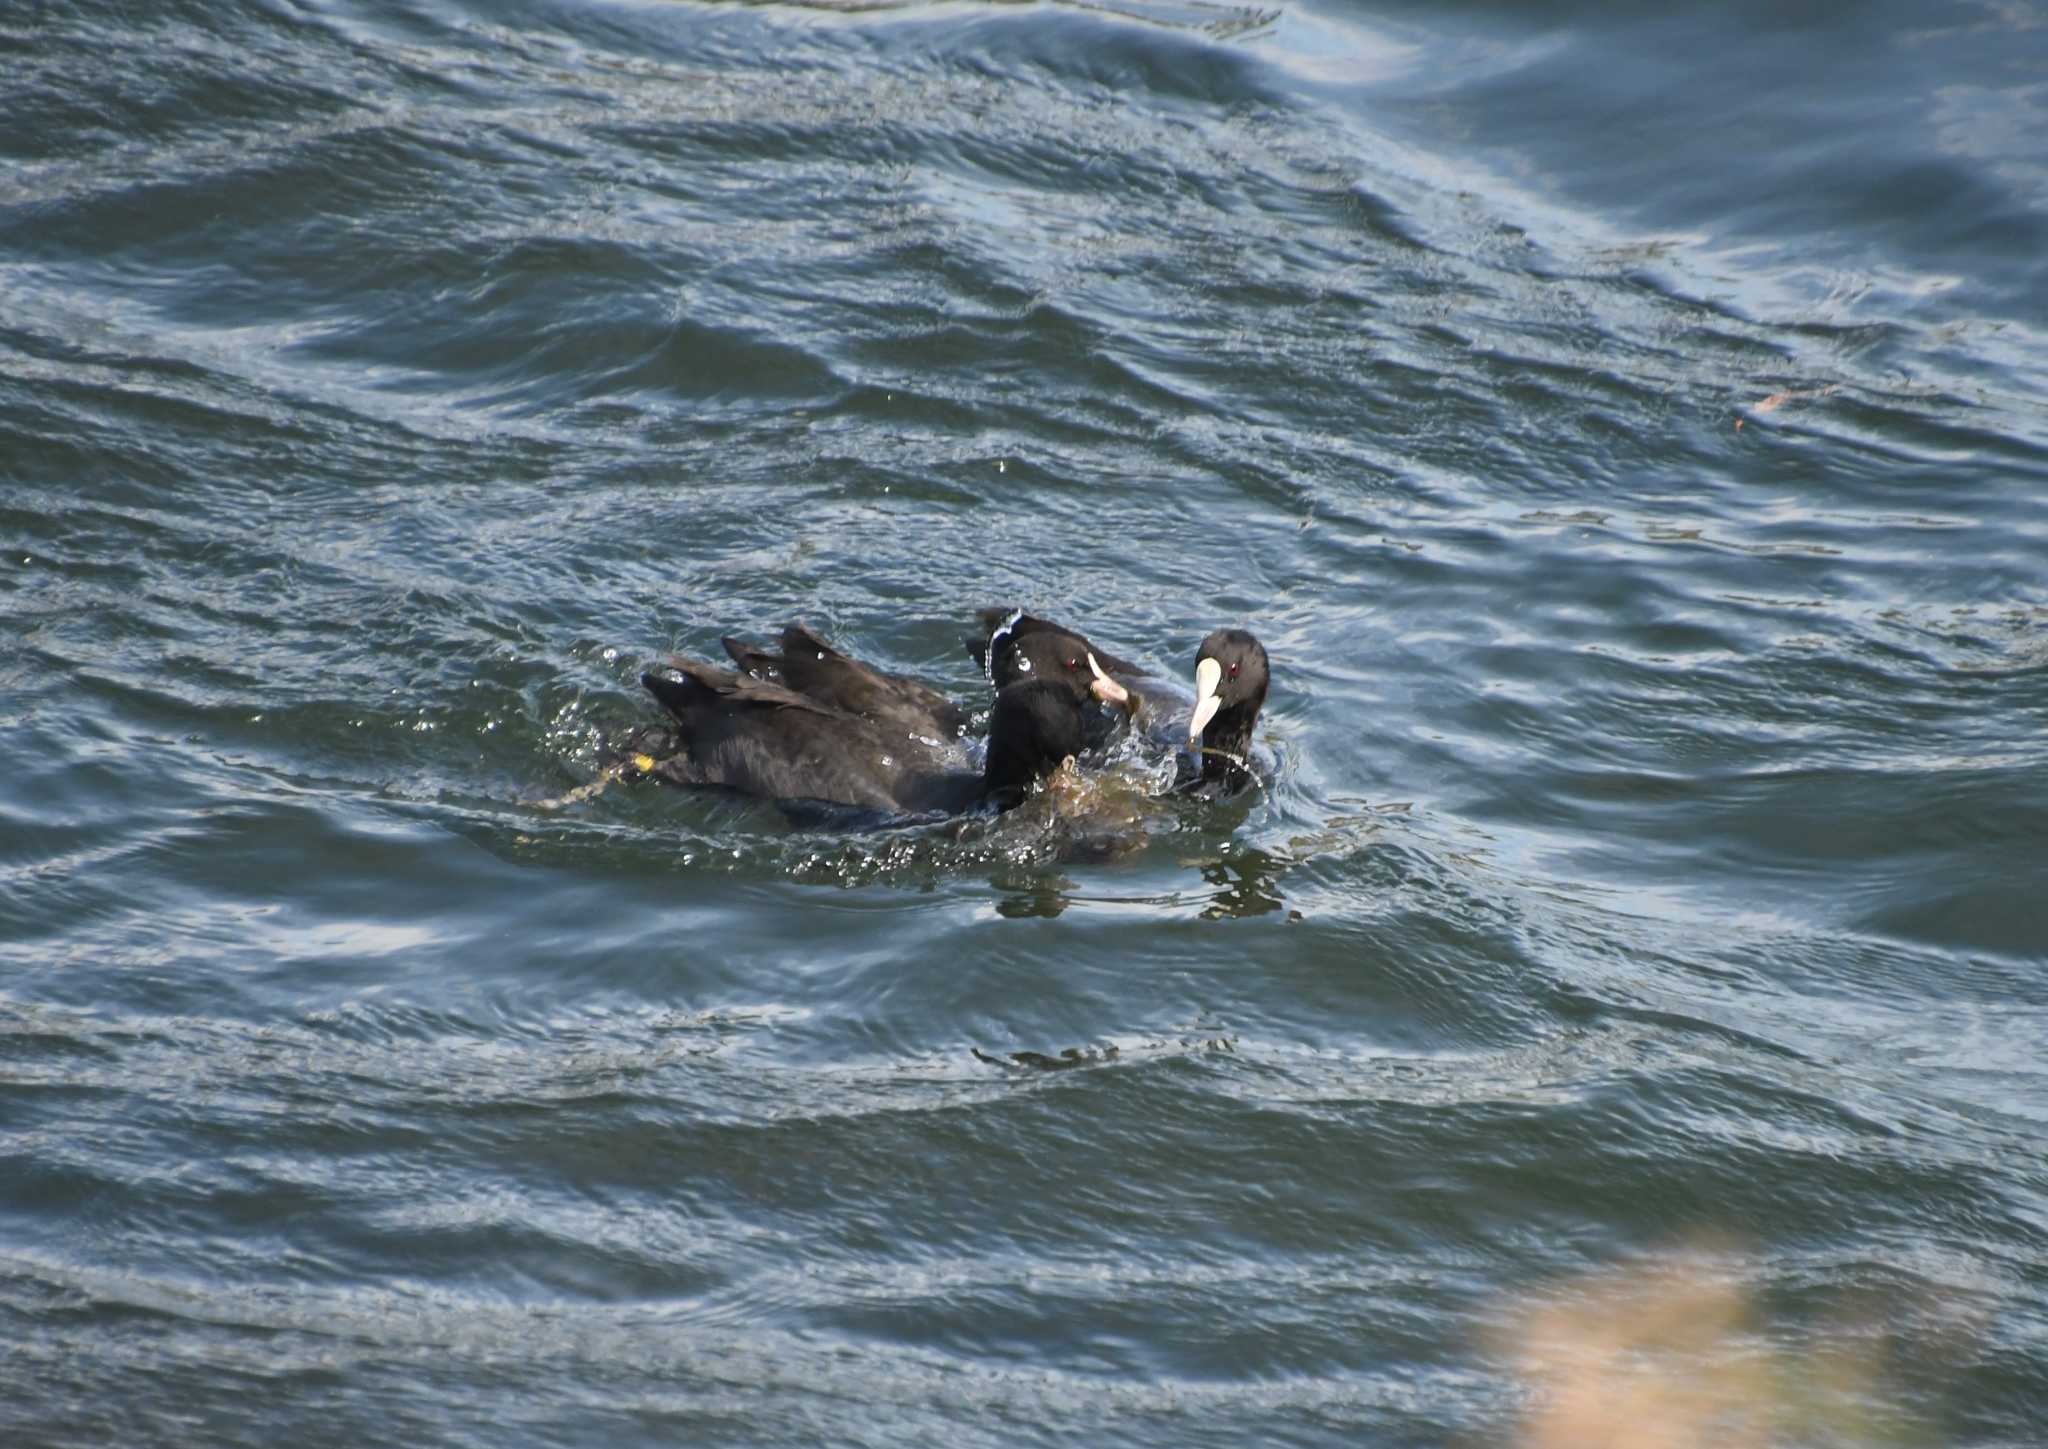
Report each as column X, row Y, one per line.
column 1226, row 746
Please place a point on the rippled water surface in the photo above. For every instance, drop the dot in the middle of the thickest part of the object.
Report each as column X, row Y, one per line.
column 1626, row 431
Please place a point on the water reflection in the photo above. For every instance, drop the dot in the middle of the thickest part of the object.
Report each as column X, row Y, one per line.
column 1247, row 884
column 1043, row 898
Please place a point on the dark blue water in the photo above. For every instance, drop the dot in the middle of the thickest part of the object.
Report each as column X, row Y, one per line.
column 1627, row 432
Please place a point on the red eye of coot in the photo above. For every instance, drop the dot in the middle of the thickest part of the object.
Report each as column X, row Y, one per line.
column 1073, row 664
column 1233, row 671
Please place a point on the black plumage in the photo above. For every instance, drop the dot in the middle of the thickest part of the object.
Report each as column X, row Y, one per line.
column 760, row 737
column 1012, row 644
column 1015, row 645
column 813, row 668
column 1231, row 677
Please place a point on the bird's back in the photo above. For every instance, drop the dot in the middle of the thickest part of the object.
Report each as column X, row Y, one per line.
column 761, row 737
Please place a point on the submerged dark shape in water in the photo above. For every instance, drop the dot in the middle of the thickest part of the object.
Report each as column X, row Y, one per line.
column 760, row 737
column 1097, row 1056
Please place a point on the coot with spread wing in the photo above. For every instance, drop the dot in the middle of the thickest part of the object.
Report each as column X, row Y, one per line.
column 760, row 737
column 813, row 668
